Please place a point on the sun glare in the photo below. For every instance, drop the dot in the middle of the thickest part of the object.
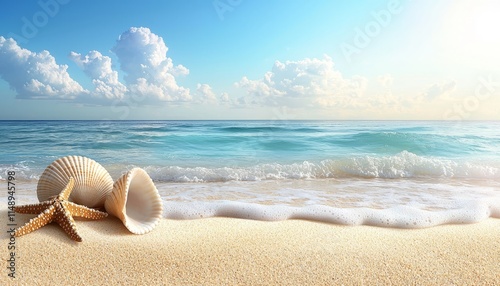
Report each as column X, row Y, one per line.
column 485, row 22
column 470, row 32
column 474, row 21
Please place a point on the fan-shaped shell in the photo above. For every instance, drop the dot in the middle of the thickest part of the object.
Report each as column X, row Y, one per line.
column 135, row 201
column 92, row 182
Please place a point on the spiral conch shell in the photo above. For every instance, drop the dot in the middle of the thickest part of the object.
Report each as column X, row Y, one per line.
column 135, row 201
column 92, row 182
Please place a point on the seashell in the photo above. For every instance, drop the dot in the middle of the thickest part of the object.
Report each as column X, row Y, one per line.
column 135, row 201
column 92, row 182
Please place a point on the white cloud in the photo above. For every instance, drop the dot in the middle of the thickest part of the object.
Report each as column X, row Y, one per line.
column 439, row 90
column 205, row 93
column 149, row 72
column 150, row 76
column 35, row 75
column 382, row 100
column 104, row 78
column 311, row 84
column 224, row 97
column 308, row 82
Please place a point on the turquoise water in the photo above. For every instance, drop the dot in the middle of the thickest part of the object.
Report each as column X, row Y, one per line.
column 202, row 166
column 334, row 147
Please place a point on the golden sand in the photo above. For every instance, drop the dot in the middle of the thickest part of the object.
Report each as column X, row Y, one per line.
column 224, row 251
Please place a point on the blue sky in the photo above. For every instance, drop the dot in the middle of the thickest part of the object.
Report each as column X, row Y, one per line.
column 242, row 59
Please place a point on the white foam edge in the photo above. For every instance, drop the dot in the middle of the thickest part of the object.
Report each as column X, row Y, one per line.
column 394, row 217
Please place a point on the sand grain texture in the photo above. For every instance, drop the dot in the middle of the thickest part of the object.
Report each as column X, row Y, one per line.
column 228, row 251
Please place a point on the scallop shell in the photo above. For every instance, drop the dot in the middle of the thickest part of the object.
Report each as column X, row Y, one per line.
column 92, row 182
column 135, row 201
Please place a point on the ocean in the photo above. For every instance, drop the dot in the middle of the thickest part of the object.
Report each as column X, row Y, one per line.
column 407, row 174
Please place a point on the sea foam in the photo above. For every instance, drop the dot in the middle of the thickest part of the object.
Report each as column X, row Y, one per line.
column 396, row 217
column 402, row 165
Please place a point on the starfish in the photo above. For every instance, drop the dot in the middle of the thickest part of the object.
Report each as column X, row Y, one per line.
column 57, row 209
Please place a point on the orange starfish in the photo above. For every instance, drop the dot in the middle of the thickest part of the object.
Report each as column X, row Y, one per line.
column 57, row 209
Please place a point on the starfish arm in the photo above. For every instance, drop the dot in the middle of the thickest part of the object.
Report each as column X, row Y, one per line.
column 33, row 208
column 83, row 211
column 64, row 195
column 65, row 220
column 57, row 209
column 35, row 223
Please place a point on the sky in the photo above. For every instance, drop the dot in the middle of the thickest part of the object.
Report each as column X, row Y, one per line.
column 250, row 59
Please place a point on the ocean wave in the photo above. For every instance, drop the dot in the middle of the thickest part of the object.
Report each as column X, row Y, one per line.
column 401, row 165
column 22, row 171
column 408, row 165
column 269, row 129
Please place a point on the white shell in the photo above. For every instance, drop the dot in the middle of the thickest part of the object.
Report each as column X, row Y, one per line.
column 135, row 201
column 92, row 182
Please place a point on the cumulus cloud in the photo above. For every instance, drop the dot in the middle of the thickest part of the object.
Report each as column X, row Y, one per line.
column 224, row 97
column 104, row 78
column 439, row 89
column 35, row 75
column 205, row 93
column 149, row 72
column 310, row 82
column 150, row 76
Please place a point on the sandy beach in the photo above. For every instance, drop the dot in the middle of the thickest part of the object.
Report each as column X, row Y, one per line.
column 227, row 251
